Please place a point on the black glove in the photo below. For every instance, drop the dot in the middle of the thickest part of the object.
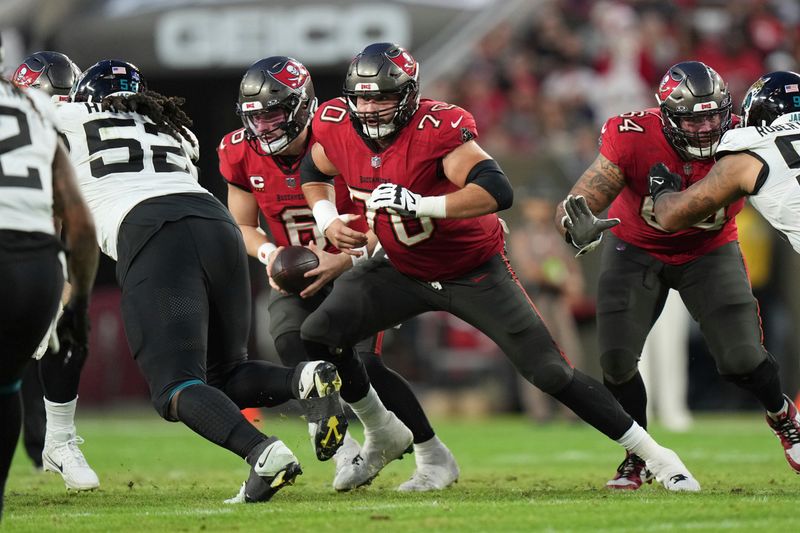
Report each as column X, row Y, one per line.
column 73, row 330
column 663, row 181
column 584, row 230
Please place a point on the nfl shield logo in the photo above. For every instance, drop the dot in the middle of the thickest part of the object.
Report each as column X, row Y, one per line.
column 375, row 161
column 291, row 183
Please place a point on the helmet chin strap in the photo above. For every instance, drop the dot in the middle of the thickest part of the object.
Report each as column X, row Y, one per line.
column 274, row 147
column 701, row 152
column 380, row 131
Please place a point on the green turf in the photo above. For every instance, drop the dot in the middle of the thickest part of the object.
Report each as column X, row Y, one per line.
column 515, row 476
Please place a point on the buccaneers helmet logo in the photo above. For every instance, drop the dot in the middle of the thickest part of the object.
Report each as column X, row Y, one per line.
column 404, row 62
column 25, row 76
column 293, row 75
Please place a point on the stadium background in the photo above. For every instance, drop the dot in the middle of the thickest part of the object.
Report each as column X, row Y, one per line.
column 540, row 78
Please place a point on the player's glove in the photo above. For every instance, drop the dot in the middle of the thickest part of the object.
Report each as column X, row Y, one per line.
column 398, row 199
column 395, row 197
column 73, row 330
column 663, row 181
column 584, row 230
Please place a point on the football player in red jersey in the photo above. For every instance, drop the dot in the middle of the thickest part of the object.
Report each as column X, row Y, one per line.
column 642, row 262
column 260, row 163
column 430, row 193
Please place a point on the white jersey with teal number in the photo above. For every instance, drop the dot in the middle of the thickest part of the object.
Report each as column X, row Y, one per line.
column 777, row 191
column 27, row 144
column 121, row 160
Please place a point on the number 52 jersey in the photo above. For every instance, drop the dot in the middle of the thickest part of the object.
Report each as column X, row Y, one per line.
column 122, row 159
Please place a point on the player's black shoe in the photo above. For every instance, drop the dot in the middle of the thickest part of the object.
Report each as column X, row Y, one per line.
column 318, row 390
column 275, row 467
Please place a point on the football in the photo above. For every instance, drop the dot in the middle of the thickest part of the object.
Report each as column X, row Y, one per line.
column 289, row 267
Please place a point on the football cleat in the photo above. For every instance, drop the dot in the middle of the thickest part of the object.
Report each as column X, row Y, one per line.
column 318, row 391
column 669, row 470
column 787, row 429
column 62, row 456
column 346, row 452
column 275, row 468
column 632, row 473
column 433, row 475
column 381, row 446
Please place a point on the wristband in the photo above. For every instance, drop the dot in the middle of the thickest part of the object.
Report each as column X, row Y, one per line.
column 360, row 259
column 324, row 214
column 432, row 206
column 264, row 252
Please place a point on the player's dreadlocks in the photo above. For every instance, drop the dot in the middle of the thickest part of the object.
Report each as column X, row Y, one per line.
column 164, row 111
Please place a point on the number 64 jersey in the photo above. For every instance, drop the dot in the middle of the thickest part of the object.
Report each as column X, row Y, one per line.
column 122, row 159
column 635, row 142
column 777, row 192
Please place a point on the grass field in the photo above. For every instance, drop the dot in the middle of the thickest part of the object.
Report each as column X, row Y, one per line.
column 157, row 476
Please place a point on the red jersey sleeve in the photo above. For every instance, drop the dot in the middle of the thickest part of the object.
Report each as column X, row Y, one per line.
column 444, row 126
column 231, row 153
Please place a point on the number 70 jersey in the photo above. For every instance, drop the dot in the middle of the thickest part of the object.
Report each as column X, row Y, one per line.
column 122, row 159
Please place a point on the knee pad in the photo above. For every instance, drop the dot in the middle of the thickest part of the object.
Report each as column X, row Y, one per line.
column 552, row 376
column 757, row 377
column 619, row 366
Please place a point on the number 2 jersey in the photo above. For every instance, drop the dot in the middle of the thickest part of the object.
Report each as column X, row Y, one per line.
column 278, row 192
column 777, row 192
column 425, row 248
column 27, row 145
column 121, row 160
column 635, row 142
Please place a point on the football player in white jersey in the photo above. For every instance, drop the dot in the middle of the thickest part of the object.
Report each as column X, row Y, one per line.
column 760, row 161
column 37, row 182
column 54, row 445
column 182, row 266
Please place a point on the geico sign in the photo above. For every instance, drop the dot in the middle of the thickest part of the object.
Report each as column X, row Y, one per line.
column 315, row 34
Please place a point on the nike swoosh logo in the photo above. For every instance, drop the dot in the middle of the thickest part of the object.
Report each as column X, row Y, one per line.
column 477, row 279
column 457, row 122
column 59, row 466
column 657, row 181
column 262, row 463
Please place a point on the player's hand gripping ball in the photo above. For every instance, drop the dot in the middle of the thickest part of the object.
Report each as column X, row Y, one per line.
column 290, row 265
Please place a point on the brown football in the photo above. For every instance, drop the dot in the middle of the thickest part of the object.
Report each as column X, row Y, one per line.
column 289, row 267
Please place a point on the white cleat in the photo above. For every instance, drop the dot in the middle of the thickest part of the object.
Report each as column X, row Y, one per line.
column 433, row 476
column 65, row 458
column 381, row 446
column 670, row 471
column 275, row 468
column 346, row 453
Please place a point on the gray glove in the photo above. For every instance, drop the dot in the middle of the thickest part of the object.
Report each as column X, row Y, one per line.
column 584, row 230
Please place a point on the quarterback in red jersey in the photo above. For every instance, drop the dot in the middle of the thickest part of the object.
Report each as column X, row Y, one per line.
column 642, row 261
column 260, row 163
column 430, row 193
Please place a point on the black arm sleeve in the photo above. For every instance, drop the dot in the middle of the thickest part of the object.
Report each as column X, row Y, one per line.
column 488, row 175
column 309, row 173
